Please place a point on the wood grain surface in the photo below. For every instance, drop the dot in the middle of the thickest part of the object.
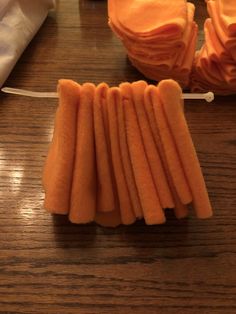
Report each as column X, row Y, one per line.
column 48, row 265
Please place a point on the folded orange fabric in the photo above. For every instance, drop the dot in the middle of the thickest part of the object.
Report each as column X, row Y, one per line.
column 228, row 42
column 126, row 209
column 159, row 38
column 171, row 155
column 105, row 197
column 180, row 209
column 214, row 67
column 152, row 211
column 130, row 141
column 128, row 170
column 227, row 14
column 152, row 154
column 59, row 166
column 170, row 94
column 84, row 186
column 154, row 16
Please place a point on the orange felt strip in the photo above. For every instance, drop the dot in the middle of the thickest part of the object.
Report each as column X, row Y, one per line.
column 170, row 94
column 58, row 169
column 170, row 150
column 180, row 210
column 105, row 197
column 152, row 154
column 108, row 219
column 127, row 214
column 152, row 211
column 83, row 194
column 127, row 162
column 113, row 218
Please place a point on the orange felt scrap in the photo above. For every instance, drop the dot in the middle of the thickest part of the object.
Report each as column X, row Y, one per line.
column 59, row 165
column 122, row 153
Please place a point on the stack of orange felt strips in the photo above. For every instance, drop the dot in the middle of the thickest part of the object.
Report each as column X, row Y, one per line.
column 215, row 64
column 159, row 36
column 123, row 153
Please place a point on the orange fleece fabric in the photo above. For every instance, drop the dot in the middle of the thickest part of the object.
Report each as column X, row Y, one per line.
column 160, row 39
column 150, row 16
column 134, row 136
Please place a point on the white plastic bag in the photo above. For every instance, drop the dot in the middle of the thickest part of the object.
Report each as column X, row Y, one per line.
column 19, row 22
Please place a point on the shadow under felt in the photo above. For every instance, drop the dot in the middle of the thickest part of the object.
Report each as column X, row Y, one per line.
column 146, row 243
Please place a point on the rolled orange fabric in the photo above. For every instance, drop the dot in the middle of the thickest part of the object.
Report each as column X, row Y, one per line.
column 152, row 211
column 170, row 94
column 105, row 197
column 83, row 194
column 59, row 165
column 126, row 208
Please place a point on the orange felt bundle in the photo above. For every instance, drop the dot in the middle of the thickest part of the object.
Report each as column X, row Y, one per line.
column 160, row 38
column 123, row 153
column 215, row 64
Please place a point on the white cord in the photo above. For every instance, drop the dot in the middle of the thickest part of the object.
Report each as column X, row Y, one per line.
column 209, row 97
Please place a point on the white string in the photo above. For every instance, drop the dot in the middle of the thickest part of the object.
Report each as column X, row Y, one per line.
column 23, row 92
column 209, row 97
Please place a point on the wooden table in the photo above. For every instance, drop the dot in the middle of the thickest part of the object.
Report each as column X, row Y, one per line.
column 48, row 265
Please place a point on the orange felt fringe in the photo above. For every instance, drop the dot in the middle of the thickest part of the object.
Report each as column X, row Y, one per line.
column 123, row 153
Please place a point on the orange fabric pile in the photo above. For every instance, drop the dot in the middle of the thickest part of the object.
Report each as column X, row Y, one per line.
column 215, row 64
column 123, row 153
column 160, row 38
